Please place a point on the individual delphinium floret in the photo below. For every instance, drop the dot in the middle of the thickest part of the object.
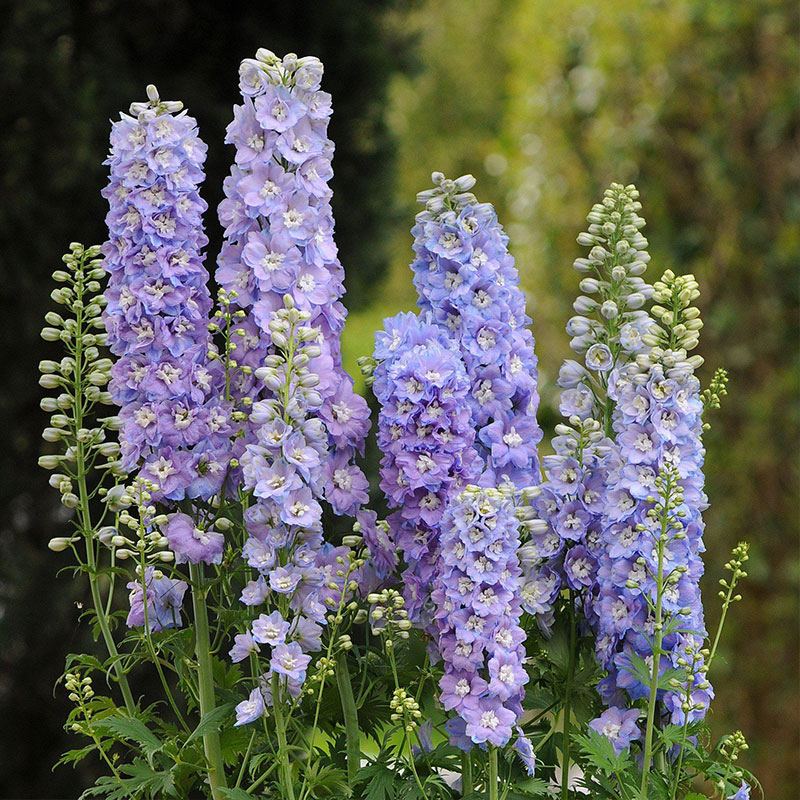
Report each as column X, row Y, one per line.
column 426, row 435
column 649, row 605
column 467, row 282
column 607, row 331
column 479, row 609
column 174, row 425
column 279, row 240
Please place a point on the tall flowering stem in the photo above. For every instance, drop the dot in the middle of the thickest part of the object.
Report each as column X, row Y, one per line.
column 205, row 676
column 281, row 277
column 649, row 605
column 480, row 638
column 80, row 376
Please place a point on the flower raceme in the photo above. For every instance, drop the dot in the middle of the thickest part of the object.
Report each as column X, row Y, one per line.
column 467, row 282
column 478, row 612
column 279, row 240
column 652, row 525
column 174, row 426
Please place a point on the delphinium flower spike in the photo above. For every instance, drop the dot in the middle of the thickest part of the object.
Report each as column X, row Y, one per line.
column 607, row 331
column 86, row 460
column 649, row 605
column 158, row 303
column 279, row 241
column 480, row 638
column 467, row 282
column 426, row 434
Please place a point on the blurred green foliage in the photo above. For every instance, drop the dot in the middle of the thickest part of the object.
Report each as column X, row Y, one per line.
column 696, row 101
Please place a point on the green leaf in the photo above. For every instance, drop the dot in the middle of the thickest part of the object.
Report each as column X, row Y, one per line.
column 380, row 780
column 130, row 728
column 235, row 794
column 73, row 756
column 212, row 721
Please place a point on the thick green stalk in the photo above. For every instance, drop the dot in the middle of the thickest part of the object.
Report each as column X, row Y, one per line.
column 285, row 767
column 568, row 700
column 351, row 728
column 205, row 677
column 467, row 786
column 651, row 706
column 494, row 781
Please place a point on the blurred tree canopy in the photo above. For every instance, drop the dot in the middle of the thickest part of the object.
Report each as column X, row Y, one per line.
column 696, row 101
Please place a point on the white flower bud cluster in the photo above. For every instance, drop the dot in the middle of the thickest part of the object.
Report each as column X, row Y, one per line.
column 367, row 365
column 405, row 709
column 155, row 103
column 729, row 749
column 80, row 378
column 80, row 692
column 145, row 542
column 694, row 666
column 679, row 328
column 291, row 70
column 387, row 616
column 572, row 439
column 613, row 291
column 446, row 195
column 227, row 319
column 735, row 566
column 286, row 373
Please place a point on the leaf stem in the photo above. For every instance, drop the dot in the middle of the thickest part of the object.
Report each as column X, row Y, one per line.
column 284, row 766
column 205, row 677
column 350, row 713
column 494, row 781
column 568, row 700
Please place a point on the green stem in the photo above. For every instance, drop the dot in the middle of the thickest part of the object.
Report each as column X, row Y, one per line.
column 725, row 606
column 148, row 639
column 568, row 700
column 205, row 677
column 86, row 522
column 651, row 706
column 467, row 786
column 352, row 732
column 494, row 782
column 102, row 621
column 285, row 767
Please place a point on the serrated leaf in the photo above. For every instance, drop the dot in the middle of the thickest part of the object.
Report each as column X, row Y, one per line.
column 379, row 778
column 73, row 756
column 212, row 721
column 130, row 728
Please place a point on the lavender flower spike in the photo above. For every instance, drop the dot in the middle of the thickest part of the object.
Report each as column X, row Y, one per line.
column 467, row 282
column 480, row 639
column 158, row 303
